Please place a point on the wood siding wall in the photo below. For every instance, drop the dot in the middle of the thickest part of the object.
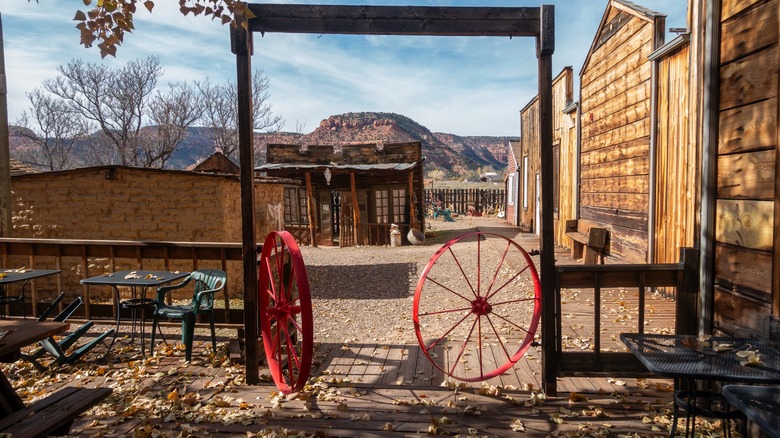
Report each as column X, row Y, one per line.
column 565, row 135
column 677, row 160
column 748, row 184
column 615, row 144
column 565, row 139
column 529, row 147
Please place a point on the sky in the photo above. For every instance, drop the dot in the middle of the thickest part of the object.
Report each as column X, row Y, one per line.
column 458, row 85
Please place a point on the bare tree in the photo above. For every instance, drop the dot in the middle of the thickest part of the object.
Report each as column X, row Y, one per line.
column 170, row 116
column 221, row 115
column 51, row 132
column 113, row 99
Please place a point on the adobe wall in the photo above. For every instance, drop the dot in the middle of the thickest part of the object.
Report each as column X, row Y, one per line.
column 136, row 204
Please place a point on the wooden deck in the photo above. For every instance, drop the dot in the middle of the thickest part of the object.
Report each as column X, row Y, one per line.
column 374, row 389
column 359, row 390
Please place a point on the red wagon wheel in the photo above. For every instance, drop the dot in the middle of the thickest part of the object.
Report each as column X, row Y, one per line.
column 285, row 311
column 477, row 306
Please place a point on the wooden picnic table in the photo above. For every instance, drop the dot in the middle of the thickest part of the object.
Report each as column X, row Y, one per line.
column 53, row 414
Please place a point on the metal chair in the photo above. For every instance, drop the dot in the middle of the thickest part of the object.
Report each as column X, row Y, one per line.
column 58, row 349
column 206, row 284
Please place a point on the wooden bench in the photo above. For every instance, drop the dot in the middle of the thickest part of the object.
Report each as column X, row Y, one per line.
column 588, row 243
column 52, row 415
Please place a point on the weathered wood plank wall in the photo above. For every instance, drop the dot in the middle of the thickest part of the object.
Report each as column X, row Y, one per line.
column 564, row 145
column 677, row 158
column 615, row 144
column 746, row 242
column 529, row 147
column 565, row 140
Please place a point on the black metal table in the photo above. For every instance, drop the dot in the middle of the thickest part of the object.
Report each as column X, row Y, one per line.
column 9, row 276
column 135, row 280
column 687, row 360
column 761, row 404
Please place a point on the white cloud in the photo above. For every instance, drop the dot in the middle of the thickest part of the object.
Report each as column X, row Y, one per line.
column 466, row 86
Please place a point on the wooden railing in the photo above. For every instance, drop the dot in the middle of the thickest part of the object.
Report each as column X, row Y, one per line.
column 678, row 280
column 78, row 259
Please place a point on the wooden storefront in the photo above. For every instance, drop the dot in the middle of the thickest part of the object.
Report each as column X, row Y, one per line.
column 526, row 153
column 350, row 194
column 745, row 241
column 616, row 86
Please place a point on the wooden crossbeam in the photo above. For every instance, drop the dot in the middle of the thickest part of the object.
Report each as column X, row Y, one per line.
column 395, row 20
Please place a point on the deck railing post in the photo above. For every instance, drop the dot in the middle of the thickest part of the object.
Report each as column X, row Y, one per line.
column 687, row 293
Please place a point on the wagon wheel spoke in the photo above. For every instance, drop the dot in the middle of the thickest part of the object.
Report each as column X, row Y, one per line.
column 449, row 289
column 498, row 268
column 447, row 333
column 462, row 348
column 513, row 324
column 500, row 341
column 452, row 277
column 462, row 272
column 506, row 283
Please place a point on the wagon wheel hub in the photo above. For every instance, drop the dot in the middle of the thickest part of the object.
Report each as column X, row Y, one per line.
column 283, row 311
column 480, row 306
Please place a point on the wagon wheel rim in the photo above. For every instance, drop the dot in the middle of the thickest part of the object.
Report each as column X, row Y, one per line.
column 286, row 325
column 476, row 312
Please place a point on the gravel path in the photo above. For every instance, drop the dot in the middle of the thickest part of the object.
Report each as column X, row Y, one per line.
column 365, row 294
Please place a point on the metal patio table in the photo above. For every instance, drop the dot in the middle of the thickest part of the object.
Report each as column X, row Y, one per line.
column 761, row 404
column 675, row 356
column 19, row 275
column 138, row 281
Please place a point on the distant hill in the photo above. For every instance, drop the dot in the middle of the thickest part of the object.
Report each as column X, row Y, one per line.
column 456, row 155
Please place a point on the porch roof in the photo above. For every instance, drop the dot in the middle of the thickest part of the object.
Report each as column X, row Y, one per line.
column 334, row 166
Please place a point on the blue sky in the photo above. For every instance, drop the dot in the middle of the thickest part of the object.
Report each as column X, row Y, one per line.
column 463, row 86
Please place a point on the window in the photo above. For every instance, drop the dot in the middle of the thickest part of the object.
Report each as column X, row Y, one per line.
column 525, row 182
column 382, row 206
column 510, row 189
column 390, row 206
column 295, row 211
column 399, row 206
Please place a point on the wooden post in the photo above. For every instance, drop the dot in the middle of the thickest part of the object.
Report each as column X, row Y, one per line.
column 545, row 46
column 241, row 45
column 709, row 172
column 412, row 209
column 687, row 293
column 355, row 210
column 5, row 158
column 310, row 205
column 421, row 195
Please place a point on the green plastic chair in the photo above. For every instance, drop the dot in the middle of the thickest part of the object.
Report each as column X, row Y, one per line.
column 206, row 284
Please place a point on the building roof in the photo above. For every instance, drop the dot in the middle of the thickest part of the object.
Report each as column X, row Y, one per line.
column 216, row 163
column 112, row 169
column 19, row 168
column 358, row 167
column 627, row 10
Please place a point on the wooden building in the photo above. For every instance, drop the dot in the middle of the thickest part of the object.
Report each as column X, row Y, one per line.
column 615, row 99
column 525, row 162
column 216, row 163
column 351, row 193
column 511, row 183
column 741, row 177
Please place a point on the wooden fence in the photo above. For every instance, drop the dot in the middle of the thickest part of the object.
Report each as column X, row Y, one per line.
column 78, row 259
column 481, row 202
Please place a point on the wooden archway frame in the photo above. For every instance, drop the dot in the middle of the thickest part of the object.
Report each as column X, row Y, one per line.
column 394, row 20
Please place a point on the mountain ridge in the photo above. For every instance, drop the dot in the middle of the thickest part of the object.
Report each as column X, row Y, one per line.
column 457, row 156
